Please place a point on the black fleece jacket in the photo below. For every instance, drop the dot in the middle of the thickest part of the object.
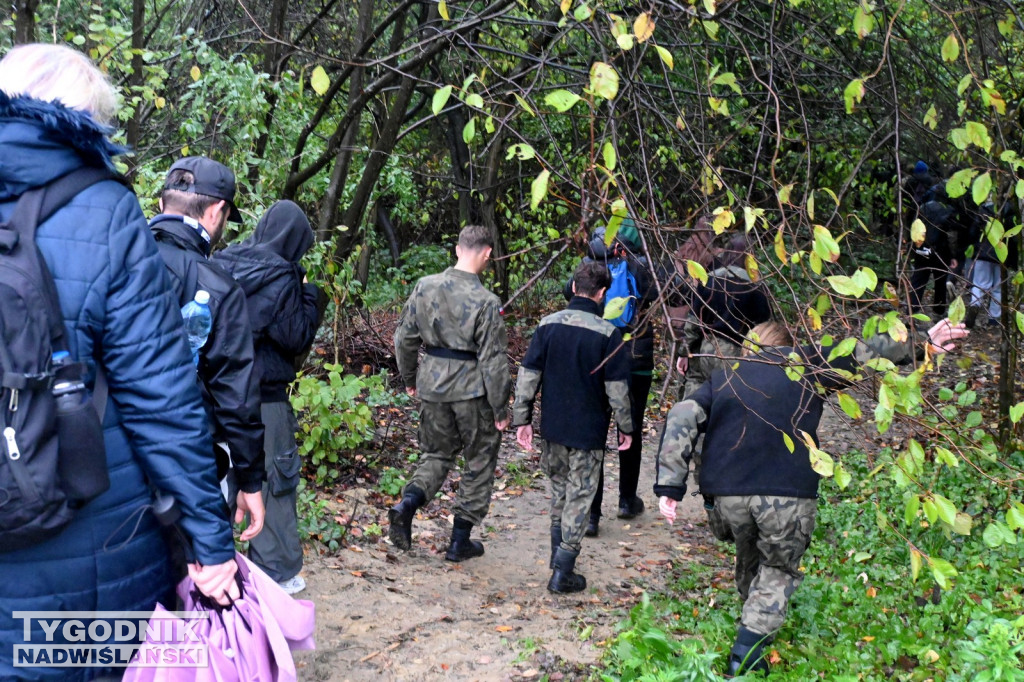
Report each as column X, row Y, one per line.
column 284, row 312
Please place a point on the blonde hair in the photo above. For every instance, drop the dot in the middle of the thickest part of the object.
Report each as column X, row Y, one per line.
column 57, row 73
column 766, row 334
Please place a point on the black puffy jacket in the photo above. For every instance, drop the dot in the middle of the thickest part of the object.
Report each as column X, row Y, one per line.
column 226, row 364
column 283, row 311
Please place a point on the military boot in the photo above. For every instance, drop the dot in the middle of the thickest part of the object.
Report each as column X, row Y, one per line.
column 593, row 525
column 564, row 580
column 400, row 517
column 747, row 655
column 971, row 316
column 556, row 541
column 461, row 547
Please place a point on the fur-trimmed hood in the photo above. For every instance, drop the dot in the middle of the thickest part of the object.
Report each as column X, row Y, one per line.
column 41, row 141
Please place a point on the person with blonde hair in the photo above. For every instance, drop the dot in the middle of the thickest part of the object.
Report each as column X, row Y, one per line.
column 759, row 488
column 123, row 324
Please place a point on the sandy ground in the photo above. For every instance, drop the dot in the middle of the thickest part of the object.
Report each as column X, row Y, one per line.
column 383, row 614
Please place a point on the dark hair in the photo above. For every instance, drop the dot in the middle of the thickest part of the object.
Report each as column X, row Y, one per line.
column 179, row 195
column 590, row 278
column 475, row 237
column 735, row 253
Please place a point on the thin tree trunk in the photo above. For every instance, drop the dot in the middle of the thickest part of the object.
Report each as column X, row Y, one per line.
column 135, row 80
column 329, row 203
column 25, row 21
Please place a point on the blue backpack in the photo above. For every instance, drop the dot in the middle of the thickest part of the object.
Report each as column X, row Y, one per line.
column 623, row 286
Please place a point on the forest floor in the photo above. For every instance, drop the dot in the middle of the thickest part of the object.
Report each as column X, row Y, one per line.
column 384, row 614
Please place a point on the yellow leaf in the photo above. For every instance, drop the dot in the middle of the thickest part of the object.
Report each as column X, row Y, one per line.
column 504, row 628
column 195, row 73
column 566, row 4
column 604, row 80
column 681, row 125
column 780, row 247
column 915, row 563
column 917, row 232
column 666, row 56
column 697, row 271
column 442, row 8
column 160, row 102
column 643, row 27
column 319, row 80
column 752, row 270
column 723, row 220
column 711, row 6
column 784, row 193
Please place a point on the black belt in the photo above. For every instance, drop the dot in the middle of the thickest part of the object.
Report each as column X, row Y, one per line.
column 451, row 353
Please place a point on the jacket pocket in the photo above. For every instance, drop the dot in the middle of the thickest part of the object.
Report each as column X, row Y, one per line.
column 283, row 477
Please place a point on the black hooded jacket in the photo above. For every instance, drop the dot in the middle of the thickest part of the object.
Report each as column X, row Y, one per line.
column 226, row 369
column 284, row 313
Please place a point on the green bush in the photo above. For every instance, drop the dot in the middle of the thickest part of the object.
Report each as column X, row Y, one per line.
column 316, row 523
column 336, row 415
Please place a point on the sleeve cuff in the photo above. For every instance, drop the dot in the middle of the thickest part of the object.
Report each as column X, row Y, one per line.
column 670, row 491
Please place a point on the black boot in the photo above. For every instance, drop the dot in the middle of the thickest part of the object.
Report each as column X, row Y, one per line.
column 747, row 653
column 461, row 547
column 556, row 540
column 564, row 580
column 630, row 509
column 971, row 317
column 400, row 517
column 593, row 526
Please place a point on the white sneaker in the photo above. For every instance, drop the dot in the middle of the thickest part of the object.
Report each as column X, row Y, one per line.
column 293, row 585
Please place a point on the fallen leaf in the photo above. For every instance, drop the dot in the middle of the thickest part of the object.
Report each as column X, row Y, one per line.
column 504, row 628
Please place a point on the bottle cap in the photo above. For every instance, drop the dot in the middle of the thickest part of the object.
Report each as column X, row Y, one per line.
column 60, row 356
column 202, row 297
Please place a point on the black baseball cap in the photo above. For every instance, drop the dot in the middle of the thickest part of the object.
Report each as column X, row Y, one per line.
column 212, row 179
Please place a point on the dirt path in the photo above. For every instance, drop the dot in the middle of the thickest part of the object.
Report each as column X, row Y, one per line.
column 383, row 614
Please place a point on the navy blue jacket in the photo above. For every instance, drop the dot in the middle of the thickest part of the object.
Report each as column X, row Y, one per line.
column 121, row 314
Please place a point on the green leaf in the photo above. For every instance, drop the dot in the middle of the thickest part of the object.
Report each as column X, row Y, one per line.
column 474, row 100
column 844, row 348
column 842, row 477
column 978, row 134
column 615, row 307
column 942, row 571
column 962, row 524
column 846, row 286
column 319, row 80
column 697, row 271
column 821, row 462
column 950, row 48
column 998, row 533
column 440, row 99
column 666, row 56
column 981, row 188
column 849, row 405
column 561, row 100
column 824, row 244
column 608, row 153
column 604, row 80
column 853, row 94
column 625, row 41
column 582, row 13
column 711, row 28
column 552, row 233
column 931, row 512
column 973, row 419
column 1019, row 317
column 910, row 512
column 469, row 130
column 863, row 23
column 522, row 151
column 539, row 189
column 946, row 508
column 1016, row 412
column 915, row 564
column 958, row 183
column 931, row 118
column 523, row 103
column 957, row 311
column 728, row 79
column 790, row 445
column 1015, row 516
column 946, row 457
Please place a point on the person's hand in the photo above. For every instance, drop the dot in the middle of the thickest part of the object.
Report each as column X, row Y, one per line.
column 953, row 263
column 524, row 436
column 216, row 582
column 942, row 335
column 251, row 504
column 411, row 390
column 682, row 364
column 625, row 440
column 502, row 424
column 667, row 507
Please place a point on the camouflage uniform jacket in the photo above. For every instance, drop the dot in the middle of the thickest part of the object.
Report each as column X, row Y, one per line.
column 579, row 363
column 747, row 411
column 452, row 311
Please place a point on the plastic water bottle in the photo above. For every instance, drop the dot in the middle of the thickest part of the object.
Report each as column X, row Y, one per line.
column 198, row 322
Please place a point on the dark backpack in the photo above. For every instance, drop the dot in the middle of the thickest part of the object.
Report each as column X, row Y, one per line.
column 52, row 459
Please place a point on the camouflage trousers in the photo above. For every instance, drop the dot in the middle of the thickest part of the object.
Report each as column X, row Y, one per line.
column 699, row 372
column 771, row 535
column 574, row 476
column 446, row 429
